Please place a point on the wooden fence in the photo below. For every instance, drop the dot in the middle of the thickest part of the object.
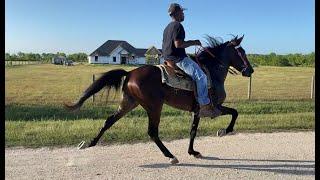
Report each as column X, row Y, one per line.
column 12, row 63
column 249, row 87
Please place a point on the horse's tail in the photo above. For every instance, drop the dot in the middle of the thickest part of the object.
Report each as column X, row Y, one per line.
column 110, row 79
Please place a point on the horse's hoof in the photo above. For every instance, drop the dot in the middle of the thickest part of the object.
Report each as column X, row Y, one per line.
column 221, row 132
column 174, row 160
column 198, row 156
column 82, row 145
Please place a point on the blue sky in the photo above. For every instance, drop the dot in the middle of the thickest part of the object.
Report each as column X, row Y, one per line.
column 71, row 26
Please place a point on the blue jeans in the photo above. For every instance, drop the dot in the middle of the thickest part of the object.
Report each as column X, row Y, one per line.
column 192, row 69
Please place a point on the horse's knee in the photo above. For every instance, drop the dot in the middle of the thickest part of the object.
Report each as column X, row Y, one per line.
column 234, row 113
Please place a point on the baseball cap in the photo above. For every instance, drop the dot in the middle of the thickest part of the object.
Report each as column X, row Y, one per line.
column 174, row 7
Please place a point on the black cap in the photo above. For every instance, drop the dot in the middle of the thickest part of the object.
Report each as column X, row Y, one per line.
column 175, row 7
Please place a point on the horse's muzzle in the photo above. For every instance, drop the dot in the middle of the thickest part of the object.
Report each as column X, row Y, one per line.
column 247, row 72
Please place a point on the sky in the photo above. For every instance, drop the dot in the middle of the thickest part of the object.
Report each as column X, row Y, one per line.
column 72, row 26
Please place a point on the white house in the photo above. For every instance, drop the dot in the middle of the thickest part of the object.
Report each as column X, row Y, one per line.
column 121, row 52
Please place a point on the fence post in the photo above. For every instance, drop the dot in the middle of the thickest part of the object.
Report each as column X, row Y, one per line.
column 249, row 87
column 93, row 79
column 312, row 87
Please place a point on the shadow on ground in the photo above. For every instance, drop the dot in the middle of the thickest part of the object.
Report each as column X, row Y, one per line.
column 296, row 167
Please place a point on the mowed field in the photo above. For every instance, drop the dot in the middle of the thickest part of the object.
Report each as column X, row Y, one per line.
column 35, row 117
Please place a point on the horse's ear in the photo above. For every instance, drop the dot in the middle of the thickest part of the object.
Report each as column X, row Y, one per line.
column 238, row 41
column 235, row 38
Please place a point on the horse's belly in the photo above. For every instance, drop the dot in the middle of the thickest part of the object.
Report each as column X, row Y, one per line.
column 180, row 99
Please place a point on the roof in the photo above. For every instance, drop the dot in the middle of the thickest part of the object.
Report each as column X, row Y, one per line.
column 153, row 51
column 141, row 52
column 106, row 48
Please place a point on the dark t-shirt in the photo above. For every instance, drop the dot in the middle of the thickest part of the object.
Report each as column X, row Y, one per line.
column 172, row 32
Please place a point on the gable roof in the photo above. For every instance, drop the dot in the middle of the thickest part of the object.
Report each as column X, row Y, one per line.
column 106, row 48
column 153, row 50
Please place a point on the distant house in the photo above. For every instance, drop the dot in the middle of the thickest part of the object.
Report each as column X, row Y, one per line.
column 61, row 60
column 121, row 52
column 58, row 60
column 154, row 56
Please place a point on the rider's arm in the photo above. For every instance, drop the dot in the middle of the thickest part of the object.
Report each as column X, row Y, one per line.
column 184, row 44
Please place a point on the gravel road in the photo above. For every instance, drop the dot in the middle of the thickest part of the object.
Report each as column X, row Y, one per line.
column 283, row 155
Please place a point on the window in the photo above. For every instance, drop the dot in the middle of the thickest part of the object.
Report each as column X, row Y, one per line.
column 114, row 59
column 96, row 58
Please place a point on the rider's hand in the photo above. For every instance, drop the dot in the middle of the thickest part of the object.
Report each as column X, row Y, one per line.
column 197, row 42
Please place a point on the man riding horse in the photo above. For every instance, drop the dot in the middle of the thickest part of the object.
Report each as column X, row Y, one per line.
column 144, row 86
column 173, row 47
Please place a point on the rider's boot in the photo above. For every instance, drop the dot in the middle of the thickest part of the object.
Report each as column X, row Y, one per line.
column 209, row 110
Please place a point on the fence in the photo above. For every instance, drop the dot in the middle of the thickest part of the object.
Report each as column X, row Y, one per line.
column 253, row 88
column 12, row 63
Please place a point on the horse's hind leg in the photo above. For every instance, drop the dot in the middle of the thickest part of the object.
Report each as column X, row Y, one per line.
column 126, row 105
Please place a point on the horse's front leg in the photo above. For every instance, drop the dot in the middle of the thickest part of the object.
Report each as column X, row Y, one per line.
column 234, row 114
column 193, row 133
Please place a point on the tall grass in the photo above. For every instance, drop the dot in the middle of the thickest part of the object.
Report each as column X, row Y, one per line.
column 54, row 84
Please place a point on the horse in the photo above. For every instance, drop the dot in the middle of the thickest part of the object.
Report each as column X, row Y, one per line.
column 143, row 86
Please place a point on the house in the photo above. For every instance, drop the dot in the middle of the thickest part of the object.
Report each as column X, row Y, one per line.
column 61, row 60
column 154, row 56
column 121, row 52
column 58, row 60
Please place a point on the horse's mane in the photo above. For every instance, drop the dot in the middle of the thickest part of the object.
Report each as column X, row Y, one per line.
column 214, row 44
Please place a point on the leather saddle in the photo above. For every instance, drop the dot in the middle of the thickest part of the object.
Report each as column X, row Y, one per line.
column 173, row 76
column 176, row 69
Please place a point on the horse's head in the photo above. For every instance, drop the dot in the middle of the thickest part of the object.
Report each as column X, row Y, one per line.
column 227, row 54
column 238, row 57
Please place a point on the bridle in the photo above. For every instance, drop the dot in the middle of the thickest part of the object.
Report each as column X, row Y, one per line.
column 240, row 55
column 231, row 71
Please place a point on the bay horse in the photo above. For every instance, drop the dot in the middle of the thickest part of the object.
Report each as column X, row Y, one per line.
column 143, row 86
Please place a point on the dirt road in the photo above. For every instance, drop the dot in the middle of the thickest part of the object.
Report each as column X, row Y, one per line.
column 285, row 155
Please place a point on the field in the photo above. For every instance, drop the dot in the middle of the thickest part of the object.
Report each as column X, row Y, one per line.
column 34, row 116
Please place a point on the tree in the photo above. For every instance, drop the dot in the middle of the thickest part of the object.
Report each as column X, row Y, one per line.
column 78, row 57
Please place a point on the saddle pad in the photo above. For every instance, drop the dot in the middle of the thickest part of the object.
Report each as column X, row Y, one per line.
column 169, row 77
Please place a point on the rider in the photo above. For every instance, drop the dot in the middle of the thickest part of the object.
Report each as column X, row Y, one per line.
column 173, row 47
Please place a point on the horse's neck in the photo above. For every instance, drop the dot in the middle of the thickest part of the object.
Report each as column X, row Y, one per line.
column 220, row 76
column 219, row 73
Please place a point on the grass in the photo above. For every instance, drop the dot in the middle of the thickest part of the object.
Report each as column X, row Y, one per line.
column 16, row 112
column 52, row 126
column 34, row 116
column 128, row 130
column 54, row 84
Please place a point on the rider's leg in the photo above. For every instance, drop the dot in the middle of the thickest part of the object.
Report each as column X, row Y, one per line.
column 192, row 69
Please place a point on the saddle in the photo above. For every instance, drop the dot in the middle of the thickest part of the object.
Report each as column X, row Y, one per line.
column 174, row 77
